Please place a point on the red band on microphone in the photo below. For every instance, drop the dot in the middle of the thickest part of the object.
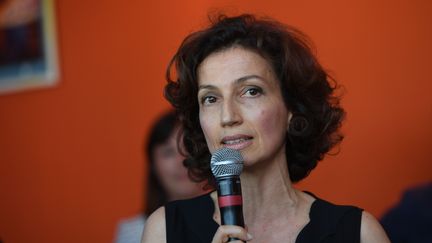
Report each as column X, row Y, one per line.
column 226, row 201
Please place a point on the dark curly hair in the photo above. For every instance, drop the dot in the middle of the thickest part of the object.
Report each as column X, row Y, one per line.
column 307, row 89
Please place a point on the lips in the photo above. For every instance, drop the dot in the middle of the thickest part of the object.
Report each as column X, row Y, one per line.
column 237, row 141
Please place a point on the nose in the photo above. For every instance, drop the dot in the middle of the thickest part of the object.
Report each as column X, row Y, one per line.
column 230, row 114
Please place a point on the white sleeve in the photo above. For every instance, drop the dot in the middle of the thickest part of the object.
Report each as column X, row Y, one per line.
column 130, row 230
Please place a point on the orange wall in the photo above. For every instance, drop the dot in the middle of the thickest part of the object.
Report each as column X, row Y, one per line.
column 70, row 157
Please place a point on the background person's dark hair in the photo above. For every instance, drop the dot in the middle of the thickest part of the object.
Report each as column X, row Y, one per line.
column 305, row 87
column 161, row 131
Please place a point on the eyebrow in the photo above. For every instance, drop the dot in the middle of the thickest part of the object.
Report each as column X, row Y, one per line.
column 237, row 81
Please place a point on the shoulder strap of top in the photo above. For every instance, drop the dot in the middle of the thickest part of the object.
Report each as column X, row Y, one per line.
column 332, row 223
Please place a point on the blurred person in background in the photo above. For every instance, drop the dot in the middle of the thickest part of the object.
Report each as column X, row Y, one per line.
column 167, row 180
column 411, row 219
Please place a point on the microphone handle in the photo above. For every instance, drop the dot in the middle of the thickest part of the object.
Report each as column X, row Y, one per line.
column 230, row 202
column 232, row 215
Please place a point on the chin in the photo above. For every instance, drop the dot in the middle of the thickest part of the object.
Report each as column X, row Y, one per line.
column 247, row 161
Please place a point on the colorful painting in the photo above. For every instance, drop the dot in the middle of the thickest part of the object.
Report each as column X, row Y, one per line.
column 28, row 53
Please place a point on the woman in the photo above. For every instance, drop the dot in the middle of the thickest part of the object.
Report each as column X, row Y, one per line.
column 168, row 178
column 254, row 85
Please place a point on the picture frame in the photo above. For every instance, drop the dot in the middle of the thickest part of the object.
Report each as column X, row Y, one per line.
column 28, row 46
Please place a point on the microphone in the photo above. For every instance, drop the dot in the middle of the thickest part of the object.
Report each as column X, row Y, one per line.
column 226, row 165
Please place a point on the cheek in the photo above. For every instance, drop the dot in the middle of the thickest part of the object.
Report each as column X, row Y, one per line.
column 272, row 122
column 207, row 125
column 163, row 167
column 267, row 121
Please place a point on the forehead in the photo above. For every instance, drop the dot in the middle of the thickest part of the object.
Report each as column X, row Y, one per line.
column 231, row 64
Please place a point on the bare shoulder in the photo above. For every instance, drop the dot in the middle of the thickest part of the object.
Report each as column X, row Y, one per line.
column 154, row 230
column 371, row 230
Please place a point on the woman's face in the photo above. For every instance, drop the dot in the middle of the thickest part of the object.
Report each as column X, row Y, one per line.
column 171, row 172
column 241, row 105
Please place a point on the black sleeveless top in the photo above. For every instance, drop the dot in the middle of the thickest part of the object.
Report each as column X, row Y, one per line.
column 191, row 221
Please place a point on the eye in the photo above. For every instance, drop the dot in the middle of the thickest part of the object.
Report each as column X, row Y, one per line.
column 209, row 99
column 252, row 92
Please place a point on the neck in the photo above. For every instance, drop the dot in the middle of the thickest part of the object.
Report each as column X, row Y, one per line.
column 264, row 185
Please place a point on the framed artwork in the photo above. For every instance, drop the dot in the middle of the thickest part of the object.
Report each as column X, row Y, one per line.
column 28, row 48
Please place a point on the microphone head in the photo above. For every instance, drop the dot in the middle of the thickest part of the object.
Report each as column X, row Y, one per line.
column 226, row 162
